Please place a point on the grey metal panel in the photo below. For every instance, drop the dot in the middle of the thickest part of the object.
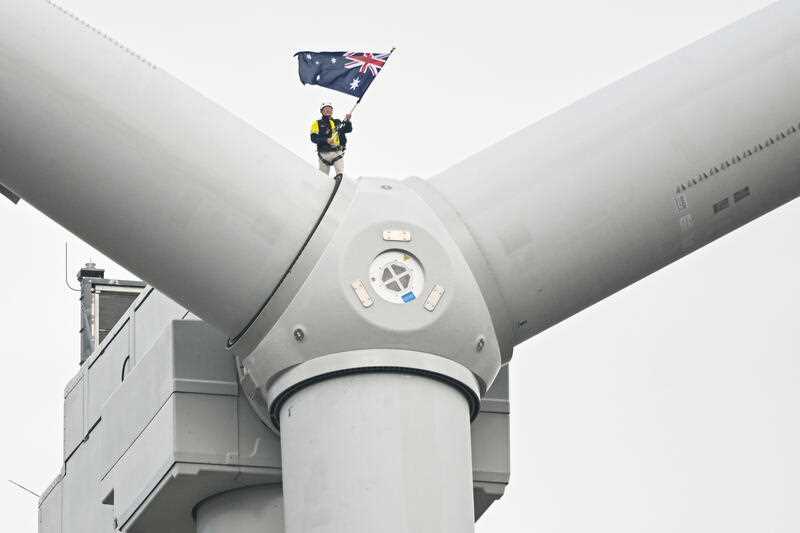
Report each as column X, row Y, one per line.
column 199, row 356
column 197, row 429
column 257, row 447
column 151, row 317
column 83, row 511
column 144, row 463
column 205, row 428
column 496, row 398
column 145, row 169
column 180, row 403
column 9, row 194
column 105, row 373
column 74, row 415
column 491, row 438
column 620, row 184
column 189, row 356
column 50, row 509
column 491, row 445
column 485, row 494
column 491, row 448
column 194, row 428
column 136, row 401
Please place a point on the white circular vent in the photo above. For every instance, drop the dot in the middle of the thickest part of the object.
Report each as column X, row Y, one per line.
column 397, row 276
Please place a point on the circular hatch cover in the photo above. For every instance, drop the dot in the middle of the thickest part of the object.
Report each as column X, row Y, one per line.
column 397, row 276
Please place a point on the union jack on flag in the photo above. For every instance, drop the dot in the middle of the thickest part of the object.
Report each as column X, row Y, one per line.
column 366, row 61
column 347, row 72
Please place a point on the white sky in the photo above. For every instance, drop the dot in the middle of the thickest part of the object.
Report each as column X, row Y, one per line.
column 671, row 406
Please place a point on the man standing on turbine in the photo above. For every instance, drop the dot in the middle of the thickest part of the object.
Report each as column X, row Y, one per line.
column 330, row 136
column 347, row 72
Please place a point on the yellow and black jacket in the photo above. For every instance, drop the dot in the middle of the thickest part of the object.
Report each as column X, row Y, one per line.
column 325, row 128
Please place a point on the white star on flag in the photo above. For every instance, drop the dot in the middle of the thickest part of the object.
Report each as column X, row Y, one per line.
column 333, row 60
column 308, row 56
column 354, row 84
column 318, row 77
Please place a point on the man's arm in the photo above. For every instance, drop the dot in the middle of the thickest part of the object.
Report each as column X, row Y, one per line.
column 346, row 126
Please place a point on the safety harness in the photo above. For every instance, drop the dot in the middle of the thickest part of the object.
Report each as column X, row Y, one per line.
column 331, row 125
column 332, row 161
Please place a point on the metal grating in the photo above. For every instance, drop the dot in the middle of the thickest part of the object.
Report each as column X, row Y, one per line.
column 111, row 306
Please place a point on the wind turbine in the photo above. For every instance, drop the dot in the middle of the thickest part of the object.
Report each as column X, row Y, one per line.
column 579, row 206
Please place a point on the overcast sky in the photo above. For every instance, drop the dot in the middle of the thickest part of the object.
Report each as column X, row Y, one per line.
column 670, row 406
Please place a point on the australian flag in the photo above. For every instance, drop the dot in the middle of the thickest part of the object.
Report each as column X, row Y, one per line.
column 347, row 72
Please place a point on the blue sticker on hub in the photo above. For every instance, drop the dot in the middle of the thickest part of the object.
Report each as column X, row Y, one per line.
column 408, row 297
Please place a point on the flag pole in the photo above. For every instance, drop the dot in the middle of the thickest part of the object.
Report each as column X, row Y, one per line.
column 362, row 96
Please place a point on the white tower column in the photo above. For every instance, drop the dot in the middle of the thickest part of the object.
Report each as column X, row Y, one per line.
column 249, row 510
column 377, row 451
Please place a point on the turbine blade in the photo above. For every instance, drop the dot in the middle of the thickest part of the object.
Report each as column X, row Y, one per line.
column 151, row 173
column 641, row 173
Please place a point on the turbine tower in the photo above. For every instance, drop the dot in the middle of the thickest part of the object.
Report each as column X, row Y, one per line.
column 369, row 318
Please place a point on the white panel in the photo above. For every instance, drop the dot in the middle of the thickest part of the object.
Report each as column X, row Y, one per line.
column 83, row 511
column 205, row 428
column 105, row 374
column 74, row 424
column 491, row 450
column 151, row 318
column 258, row 446
column 136, row 400
column 50, row 511
column 143, row 464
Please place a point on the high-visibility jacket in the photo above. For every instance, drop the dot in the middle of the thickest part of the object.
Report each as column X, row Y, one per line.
column 333, row 128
